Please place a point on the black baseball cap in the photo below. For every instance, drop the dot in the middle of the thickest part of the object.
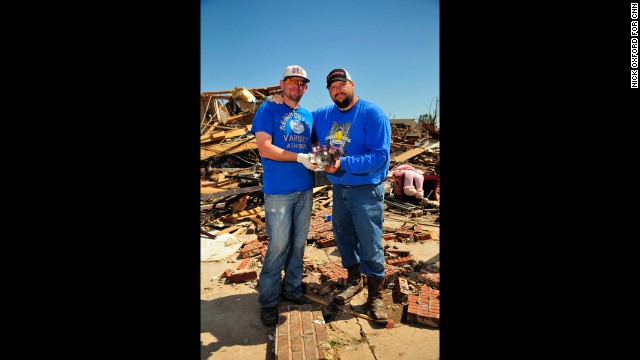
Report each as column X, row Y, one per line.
column 337, row 74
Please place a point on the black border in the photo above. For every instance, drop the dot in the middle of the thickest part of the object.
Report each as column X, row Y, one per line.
column 537, row 121
column 143, row 101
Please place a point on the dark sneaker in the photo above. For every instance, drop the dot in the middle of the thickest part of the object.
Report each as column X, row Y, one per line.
column 269, row 315
column 301, row 300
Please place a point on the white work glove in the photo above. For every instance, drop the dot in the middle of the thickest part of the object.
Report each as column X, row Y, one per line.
column 304, row 159
column 276, row 98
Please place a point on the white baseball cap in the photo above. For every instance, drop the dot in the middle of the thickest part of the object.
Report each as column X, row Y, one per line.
column 295, row 70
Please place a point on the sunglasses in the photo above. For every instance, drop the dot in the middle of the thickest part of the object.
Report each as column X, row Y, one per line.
column 292, row 81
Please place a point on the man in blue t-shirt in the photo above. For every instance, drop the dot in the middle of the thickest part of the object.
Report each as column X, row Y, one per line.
column 283, row 135
column 360, row 133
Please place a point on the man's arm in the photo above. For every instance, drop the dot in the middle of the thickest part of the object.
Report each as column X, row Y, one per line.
column 269, row 151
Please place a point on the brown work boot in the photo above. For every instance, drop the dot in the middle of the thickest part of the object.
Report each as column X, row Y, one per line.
column 375, row 302
column 352, row 287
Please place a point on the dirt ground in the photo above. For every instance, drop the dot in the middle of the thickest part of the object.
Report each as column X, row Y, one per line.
column 230, row 326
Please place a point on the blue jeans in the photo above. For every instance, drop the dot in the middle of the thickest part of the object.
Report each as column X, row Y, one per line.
column 287, row 220
column 357, row 227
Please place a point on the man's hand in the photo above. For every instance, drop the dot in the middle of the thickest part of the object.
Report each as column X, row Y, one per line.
column 304, row 159
column 277, row 98
column 332, row 169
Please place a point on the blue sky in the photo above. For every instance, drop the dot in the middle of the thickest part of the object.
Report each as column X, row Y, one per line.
column 390, row 48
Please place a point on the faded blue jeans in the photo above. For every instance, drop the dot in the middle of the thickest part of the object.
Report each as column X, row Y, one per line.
column 357, row 227
column 287, row 220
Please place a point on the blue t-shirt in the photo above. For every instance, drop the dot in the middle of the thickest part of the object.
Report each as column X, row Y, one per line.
column 290, row 129
column 364, row 135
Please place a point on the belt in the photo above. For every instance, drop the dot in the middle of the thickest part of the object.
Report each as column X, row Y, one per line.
column 348, row 186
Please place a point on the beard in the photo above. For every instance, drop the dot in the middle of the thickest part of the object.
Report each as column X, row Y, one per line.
column 295, row 98
column 344, row 103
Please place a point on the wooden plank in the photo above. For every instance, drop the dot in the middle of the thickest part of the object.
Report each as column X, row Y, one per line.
column 227, row 230
column 209, row 129
column 214, row 190
column 231, row 192
column 319, row 188
column 228, row 148
column 219, row 184
column 221, row 135
column 212, row 136
column 246, row 213
column 408, row 154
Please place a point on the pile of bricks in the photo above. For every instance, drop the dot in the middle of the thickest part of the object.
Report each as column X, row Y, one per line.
column 253, row 248
column 333, row 271
column 391, row 273
column 321, row 229
column 311, row 284
column 425, row 307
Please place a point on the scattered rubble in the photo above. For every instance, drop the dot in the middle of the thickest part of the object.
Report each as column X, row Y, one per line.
column 231, row 203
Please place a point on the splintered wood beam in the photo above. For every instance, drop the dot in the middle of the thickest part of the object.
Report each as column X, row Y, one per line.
column 258, row 222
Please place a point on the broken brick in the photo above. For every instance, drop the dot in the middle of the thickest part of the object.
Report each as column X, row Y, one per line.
column 242, row 276
column 401, row 291
column 400, row 261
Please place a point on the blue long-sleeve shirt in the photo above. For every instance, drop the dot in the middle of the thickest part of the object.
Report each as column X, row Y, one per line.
column 365, row 134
